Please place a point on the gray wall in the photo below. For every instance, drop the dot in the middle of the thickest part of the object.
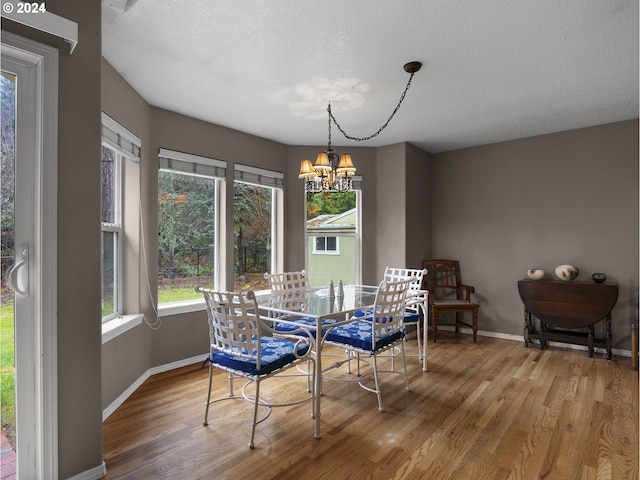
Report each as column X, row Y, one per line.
column 126, row 357
column 569, row 197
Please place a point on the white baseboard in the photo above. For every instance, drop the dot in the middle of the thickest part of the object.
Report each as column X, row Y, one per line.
column 519, row 338
column 152, row 371
column 94, row 473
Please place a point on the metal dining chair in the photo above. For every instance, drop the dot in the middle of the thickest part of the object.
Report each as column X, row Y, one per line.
column 376, row 331
column 243, row 344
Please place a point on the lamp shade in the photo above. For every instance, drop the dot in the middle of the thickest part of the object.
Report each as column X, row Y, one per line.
column 306, row 170
column 322, row 165
column 346, row 168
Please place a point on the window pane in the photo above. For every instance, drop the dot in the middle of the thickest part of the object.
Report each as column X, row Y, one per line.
column 252, row 234
column 186, row 244
column 109, row 259
column 109, row 190
column 327, row 212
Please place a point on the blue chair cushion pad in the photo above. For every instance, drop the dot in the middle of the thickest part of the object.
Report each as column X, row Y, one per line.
column 411, row 317
column 275, row 353
column 359, row 334
column 310, row 323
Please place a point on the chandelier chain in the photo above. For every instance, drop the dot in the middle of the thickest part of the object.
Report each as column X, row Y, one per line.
column 362, row 139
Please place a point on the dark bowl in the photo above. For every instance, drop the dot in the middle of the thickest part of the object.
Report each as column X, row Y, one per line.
column 599, row 277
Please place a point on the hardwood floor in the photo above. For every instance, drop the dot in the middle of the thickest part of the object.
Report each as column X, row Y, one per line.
column 494, row 410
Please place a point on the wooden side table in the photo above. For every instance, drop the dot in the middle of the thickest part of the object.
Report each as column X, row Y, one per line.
column 563, row 308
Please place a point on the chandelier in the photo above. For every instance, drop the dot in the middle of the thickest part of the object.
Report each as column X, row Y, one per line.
column 333, row 172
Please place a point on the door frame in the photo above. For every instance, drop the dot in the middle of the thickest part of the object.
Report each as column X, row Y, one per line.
column 37, row 454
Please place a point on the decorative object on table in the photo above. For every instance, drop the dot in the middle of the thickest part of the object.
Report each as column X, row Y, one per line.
column 333, row 172
column 535, row 273
column 599, row 277
column 567, row 272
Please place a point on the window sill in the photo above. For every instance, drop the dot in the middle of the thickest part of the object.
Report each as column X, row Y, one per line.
column 119, row 325
column 176, row 308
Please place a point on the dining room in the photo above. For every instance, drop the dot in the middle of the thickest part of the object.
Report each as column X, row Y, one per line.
column 552, row 180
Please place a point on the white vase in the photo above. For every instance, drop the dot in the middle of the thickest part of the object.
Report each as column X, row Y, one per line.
column 567, row 272
column 535, row 273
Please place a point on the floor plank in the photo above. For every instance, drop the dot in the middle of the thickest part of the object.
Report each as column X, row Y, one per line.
column 490, row 410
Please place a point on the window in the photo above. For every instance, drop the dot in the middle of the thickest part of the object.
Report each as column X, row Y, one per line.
column 257, row 194
column 188, row 206
column 326, row 245
column 111, row 233
column 333, row 238
column 117, row 144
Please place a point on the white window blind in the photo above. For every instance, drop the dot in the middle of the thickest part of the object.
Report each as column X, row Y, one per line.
column 356, row 182
column 191, row 164
column 258, row 176
column 120, row 138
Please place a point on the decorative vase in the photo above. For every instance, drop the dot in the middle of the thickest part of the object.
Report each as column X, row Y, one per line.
column 599, row 277
column 535, row 273
column 567, row 272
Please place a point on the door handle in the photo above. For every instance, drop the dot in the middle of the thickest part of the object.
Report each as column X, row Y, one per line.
column 12, row 278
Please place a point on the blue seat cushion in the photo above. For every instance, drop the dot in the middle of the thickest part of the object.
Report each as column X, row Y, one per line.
column 411, row 317
column 275, row 353
column 359, row 334
column 309, row 323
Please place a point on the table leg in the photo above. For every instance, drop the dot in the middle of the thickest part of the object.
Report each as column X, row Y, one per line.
column 425, row 334
column 318, row 379
column 608, row 336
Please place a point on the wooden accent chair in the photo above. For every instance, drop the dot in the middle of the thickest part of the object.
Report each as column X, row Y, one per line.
column 447, row 293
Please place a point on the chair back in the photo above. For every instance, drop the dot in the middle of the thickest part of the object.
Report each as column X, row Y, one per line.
column 288, row 290
column 394, row 274
column 388, row 308
column 234, row 327
column 442, row 278
column 287, row 281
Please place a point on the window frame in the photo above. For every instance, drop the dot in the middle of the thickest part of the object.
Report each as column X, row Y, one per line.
column 188, row 164
column 117, row 229
column 357, row 186
column 326, row 251
column 274, row 181
column 126, row 146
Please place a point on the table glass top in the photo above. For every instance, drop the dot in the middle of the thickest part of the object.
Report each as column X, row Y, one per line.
column 318, row 301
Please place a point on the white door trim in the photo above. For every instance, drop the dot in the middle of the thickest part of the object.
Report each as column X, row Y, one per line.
column 38, row 457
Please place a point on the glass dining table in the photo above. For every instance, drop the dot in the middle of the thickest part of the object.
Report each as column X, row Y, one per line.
column 319, row 309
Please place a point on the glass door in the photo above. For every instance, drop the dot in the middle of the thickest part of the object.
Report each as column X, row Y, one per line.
column 28, row 373
column 8, row 262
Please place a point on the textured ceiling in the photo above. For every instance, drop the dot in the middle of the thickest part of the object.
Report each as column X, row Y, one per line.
column 493, row 70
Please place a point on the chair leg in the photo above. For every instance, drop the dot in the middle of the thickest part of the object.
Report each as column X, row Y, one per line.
column 230, row 379
column 375, row 378
column 206, row 409
column 404, row 367
column 475, row 324
column 434, row 320
column 254, row 422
